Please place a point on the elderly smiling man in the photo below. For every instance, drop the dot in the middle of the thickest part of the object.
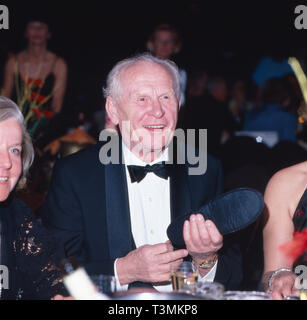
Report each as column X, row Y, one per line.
column 113, row 217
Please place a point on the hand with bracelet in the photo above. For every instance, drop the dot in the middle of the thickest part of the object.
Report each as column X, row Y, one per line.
column 280, row 283
column 203, row 240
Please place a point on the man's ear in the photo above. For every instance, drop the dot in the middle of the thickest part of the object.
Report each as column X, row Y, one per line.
column 112, row 110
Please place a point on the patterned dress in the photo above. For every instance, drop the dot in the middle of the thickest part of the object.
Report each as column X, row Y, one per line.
column 34, row 96
column 300, row 224
column 29, row 253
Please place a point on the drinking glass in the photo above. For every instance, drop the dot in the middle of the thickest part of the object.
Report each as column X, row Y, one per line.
column 105, row 283
column 209, row 290
column 184, row 278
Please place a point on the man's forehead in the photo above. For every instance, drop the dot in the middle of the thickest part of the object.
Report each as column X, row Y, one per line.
column 146, row 72
column 146, row 68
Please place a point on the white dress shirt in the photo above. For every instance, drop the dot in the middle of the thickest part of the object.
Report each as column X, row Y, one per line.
column 150, row 213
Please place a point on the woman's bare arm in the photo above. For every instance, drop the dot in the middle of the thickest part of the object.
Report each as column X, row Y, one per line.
column 8, row 81
column 279, row 227
column 60, row 72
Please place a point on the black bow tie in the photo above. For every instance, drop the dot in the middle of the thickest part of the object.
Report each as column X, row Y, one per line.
column 138, row 173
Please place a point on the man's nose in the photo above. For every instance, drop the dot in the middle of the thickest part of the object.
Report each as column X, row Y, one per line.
column 156, row 109
column 5, row 160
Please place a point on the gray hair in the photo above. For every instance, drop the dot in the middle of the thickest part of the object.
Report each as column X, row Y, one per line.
column 9, row 109
column 113, row 85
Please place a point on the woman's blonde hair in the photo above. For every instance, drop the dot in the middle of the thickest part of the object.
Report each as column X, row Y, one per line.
column 9, row 109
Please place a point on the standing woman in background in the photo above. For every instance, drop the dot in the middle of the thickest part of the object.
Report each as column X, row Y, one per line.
column 35, row 79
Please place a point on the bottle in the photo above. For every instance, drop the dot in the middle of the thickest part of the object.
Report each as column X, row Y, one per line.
column 78, row 283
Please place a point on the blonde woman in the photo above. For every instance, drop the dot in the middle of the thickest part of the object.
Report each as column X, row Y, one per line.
column 28, row 252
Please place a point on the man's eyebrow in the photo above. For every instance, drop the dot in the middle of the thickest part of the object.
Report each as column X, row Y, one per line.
column 16, row 144
column 168, row 92
column 139, row 93
column 144, row 93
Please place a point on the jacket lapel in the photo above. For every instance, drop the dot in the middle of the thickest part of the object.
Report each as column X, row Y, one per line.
column 117, row 211
column 180, row 193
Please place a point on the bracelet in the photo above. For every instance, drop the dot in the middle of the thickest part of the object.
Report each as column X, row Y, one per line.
column 207, row 263
column 275, row 273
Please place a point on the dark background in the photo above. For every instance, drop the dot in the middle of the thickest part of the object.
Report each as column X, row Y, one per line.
column 228, row 37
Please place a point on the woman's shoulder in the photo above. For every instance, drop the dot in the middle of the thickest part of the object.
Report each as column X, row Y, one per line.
column 21, row 211
column 296, row 174
column 20, row 57
column 56, row 60
column 287, row 186
column 29, row 228
column 12, row 61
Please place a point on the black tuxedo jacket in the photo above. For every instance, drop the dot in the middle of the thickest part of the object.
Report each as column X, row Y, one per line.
column 87, row 206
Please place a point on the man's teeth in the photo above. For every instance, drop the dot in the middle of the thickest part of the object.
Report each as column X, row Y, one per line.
column 155, row 127
column 3, row 179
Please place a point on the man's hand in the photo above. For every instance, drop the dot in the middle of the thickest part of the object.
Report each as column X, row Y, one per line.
column 149, row 263
column 201, row 237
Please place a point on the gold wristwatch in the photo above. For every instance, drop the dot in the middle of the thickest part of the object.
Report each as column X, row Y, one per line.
column 208, row 263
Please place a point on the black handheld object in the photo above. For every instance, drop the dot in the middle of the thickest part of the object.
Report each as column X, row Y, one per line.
column 230, row 212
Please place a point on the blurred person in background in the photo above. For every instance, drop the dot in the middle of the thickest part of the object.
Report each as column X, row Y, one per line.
column 274, row 65
column 273, row 114
column 209, row 110
column 35, row 79
column 164, row 43
column 239, row 103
